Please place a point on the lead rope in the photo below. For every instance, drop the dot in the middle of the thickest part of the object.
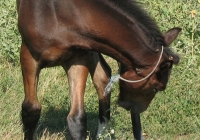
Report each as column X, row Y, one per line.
column 116, row 78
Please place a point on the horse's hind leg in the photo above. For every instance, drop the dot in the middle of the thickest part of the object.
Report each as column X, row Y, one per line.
column 100, row 73
column 31, row 108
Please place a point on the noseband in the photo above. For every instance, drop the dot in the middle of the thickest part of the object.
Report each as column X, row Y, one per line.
column 116, row 78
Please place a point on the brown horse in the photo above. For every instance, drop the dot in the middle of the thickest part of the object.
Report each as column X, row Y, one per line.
column 73, row 33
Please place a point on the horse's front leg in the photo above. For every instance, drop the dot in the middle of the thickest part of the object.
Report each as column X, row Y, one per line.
column 137, row 129
column 100, row 73
column 31, row 108
column 77, row 75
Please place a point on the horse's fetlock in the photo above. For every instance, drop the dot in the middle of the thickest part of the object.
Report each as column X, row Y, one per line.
column 30, row 115
column 78, row 118
column 77, row 124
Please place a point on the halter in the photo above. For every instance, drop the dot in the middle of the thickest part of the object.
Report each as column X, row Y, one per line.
column 116, row 78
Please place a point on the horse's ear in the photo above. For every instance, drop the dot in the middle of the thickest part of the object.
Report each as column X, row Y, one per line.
column 171, row 35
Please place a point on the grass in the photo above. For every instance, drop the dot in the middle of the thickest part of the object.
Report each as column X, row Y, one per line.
column 172, row 115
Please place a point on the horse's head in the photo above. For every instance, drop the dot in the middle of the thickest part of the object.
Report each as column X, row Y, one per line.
column 137, row 96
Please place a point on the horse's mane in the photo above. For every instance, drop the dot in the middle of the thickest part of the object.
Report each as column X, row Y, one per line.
column 132, row 10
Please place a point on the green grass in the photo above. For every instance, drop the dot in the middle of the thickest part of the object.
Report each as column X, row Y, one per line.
column 172, row 115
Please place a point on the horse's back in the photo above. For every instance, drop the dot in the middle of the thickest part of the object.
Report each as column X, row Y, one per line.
column 39, row 19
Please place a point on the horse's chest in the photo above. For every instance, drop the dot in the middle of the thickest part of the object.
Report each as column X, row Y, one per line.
column 55, row 56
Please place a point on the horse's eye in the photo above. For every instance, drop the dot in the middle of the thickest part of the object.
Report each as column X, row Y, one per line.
column 166, row 65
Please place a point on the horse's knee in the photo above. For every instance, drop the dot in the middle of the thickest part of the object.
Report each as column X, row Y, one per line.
column 100, row 85
column 30, row 115
column 77, row 124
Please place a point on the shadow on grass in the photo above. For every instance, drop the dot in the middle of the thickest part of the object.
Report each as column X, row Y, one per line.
column 53, row 121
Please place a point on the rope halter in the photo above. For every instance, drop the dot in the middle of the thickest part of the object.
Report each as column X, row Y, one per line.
column 116, row 78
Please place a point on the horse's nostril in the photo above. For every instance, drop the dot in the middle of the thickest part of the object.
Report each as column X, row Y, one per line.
column 155, row 90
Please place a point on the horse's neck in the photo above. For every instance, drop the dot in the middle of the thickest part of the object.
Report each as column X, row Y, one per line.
column 114, row 34
column 122, row 43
